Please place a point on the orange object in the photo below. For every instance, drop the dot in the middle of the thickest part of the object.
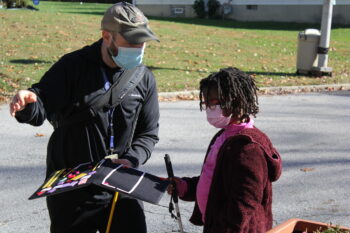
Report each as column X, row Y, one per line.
column 301, row 225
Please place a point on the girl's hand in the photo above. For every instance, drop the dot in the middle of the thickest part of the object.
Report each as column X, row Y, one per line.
column 181, row 186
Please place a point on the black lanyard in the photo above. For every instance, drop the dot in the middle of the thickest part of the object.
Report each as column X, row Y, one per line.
column 106, row 86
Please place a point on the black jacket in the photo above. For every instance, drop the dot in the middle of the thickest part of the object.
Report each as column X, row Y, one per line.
column 69, row 86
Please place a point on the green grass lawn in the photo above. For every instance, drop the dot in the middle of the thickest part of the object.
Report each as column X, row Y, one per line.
column 31, row 41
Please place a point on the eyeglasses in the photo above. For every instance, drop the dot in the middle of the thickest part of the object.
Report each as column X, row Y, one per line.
column 211, row 106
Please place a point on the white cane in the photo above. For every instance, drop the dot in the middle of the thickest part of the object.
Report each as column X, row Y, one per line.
column 174, row 196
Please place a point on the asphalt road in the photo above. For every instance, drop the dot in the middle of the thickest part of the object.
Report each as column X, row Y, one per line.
column 311, row 131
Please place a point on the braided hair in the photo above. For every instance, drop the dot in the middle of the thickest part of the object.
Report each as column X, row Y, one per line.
column 237, row 92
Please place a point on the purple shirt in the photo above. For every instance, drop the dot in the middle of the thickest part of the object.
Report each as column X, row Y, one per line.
column 208, row 168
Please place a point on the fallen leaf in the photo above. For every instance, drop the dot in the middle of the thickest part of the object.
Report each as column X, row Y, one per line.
column 307, row 169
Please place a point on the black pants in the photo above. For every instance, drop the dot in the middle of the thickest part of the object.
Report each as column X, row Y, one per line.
column 87, row 211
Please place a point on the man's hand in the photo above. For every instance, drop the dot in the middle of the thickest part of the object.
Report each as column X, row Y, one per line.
column 20, row 100
column 125, row 162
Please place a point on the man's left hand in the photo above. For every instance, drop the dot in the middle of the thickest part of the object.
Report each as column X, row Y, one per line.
column 125, row 162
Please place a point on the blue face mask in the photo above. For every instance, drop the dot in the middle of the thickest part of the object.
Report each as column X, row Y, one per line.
column 128, row 58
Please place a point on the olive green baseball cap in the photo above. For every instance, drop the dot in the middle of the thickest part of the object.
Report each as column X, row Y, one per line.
column 129, row 21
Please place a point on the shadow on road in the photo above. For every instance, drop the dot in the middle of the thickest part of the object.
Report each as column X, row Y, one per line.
column 29, row 61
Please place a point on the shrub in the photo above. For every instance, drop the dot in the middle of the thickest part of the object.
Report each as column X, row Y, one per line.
column 199, row 8
column 17, row 3
column 213, row 6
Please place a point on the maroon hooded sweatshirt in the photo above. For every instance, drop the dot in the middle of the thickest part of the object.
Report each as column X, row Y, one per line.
column 240, row 196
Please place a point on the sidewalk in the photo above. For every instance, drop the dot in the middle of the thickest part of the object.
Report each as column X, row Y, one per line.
column 193, row 95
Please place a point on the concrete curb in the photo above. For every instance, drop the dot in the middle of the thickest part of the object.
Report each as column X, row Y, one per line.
column 193, row 95
column 188, row 95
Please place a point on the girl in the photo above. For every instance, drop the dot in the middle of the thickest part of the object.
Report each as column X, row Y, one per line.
column 233, row 192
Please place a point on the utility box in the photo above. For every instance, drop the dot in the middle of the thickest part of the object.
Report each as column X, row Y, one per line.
column 308, row 42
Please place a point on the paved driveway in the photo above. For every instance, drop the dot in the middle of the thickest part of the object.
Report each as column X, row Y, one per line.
column 311, row 131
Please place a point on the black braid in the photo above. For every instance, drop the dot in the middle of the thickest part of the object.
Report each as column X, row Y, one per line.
column 237, row 91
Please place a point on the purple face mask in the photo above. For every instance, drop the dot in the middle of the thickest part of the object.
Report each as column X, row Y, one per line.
column 216, row 118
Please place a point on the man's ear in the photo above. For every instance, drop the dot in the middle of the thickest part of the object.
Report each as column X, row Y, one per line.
column 106, row 36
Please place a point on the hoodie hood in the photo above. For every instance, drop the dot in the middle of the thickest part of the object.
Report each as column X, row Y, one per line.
column 273, row 158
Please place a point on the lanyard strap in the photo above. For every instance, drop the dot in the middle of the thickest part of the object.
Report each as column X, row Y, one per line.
column 106, row 86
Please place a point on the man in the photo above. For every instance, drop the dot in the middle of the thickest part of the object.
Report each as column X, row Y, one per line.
column 129, row 130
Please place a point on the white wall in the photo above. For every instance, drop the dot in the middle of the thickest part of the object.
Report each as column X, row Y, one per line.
column 164, row 2
column 285, row 2
column 301, row 11
column 242, row 2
